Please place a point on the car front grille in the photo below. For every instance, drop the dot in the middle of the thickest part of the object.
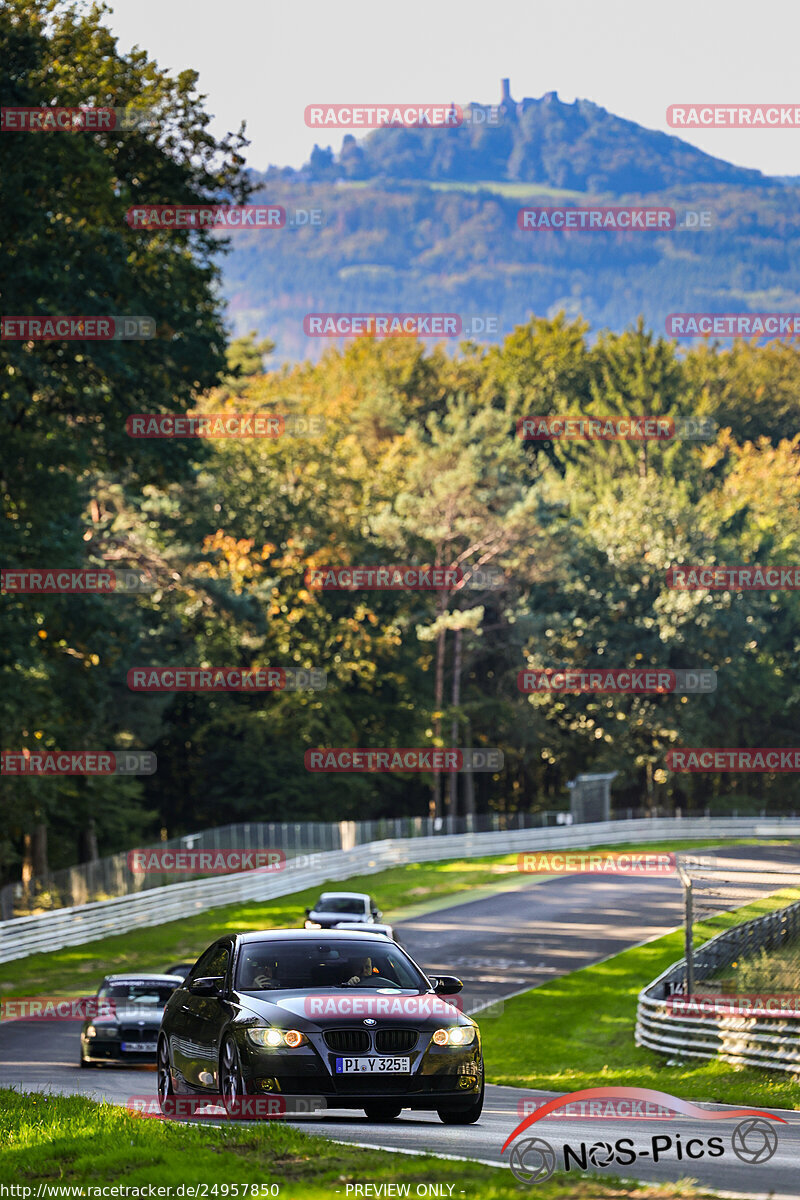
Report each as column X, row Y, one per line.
column 133, row 1033
column 347, row 1041
column 393, row 1041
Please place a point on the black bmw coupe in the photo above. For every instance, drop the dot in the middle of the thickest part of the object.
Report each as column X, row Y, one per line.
column 129, row 1009
column 347, row 1017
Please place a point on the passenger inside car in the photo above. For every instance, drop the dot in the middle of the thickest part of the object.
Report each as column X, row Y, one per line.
column 259, row 975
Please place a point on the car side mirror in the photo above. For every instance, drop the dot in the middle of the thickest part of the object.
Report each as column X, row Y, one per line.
column 207, row 985
column 308, row 912
column 376, row 912
column 446, row 985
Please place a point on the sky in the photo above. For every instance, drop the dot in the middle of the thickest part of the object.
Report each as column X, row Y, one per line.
column 264, row 61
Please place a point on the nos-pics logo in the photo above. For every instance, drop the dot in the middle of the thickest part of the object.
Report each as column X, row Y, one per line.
column 532, row 1160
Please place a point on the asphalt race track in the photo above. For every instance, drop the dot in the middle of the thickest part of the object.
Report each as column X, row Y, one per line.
column 499, row 945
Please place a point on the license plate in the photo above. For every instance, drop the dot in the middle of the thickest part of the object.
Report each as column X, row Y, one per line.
column 141, row 1047
column 373, row 1065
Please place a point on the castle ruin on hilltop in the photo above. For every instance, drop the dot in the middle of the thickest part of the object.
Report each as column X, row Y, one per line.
column 515, row 108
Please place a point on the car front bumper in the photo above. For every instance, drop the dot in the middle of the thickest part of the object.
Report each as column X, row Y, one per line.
column 440, row 1077
column 103, row 1050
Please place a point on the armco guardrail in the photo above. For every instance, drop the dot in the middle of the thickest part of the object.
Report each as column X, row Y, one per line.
column 84, row 923
column 105, row 878
column 772, row 1042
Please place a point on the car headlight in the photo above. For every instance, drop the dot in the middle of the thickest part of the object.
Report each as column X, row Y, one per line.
column 313, row 925
column 91, row 1031
column 457, row 1035
column 272, row 1039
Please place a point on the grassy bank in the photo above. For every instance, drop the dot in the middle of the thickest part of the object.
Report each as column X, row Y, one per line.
column 578, row 1031
column 72, row 1140
column 76, row 969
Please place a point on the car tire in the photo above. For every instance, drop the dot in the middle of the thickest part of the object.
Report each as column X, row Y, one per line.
column 164, row 1076
column 382, row 1112
column 462, row 1116
column 231, row 1080
column 85, row 1063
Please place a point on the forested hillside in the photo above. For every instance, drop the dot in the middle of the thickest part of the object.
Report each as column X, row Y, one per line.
column 419, row 463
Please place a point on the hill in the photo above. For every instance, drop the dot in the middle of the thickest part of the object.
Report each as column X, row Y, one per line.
column 426, row 220
column 579, row 146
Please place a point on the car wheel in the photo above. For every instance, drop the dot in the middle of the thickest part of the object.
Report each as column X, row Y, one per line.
column 382, row 1112
column 85, row 1063
column 230, row 1076
column 462, row 1116
column 164, row 1075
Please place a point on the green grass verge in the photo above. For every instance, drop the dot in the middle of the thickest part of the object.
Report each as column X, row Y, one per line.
column 75, row 970
column 578, row 1031
column 71, row 1140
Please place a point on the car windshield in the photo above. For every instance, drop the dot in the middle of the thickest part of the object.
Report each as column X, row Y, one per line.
column 306, row 966
column 137, row 993
column 341, row 904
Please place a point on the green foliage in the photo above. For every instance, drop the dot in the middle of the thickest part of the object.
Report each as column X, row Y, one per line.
column 71, row 480
column 418, row 462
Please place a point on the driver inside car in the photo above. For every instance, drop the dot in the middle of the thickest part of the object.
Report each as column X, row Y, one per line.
column 260, row 975
column 365, row 971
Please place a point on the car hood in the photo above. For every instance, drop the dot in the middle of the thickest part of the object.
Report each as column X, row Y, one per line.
column 353, row 1005
column 150, row 1017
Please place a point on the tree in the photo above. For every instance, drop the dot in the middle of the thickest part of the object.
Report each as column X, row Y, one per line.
column 459, row 502
column 67, row 249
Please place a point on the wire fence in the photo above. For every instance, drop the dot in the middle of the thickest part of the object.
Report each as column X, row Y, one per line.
column 761, row 956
